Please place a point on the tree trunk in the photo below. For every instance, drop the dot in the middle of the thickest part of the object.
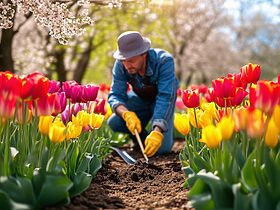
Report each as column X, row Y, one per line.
column 59, row 64
column 83, row 63
column 6, row 59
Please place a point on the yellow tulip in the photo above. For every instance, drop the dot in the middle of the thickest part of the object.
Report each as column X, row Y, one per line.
column 205, row 119
column 193, row 122
column 276, row 116
column 57, row 131
column 45, row 123
column 226, row 126
column 73, row 130
column 211, row 136
column 182, row 123
column 108, row 112
column 96, row 120
column 271, row 135
column 83, row 118
column 210, row 108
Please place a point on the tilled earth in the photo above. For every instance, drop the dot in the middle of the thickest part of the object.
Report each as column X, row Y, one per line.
column 157, row 185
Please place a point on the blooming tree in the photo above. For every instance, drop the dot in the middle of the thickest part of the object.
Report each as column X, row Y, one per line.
column 63, row 19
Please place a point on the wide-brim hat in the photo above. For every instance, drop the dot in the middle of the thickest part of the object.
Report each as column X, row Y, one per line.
column 130, row 44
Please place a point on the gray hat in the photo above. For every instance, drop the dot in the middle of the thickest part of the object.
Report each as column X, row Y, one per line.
column 130, row 44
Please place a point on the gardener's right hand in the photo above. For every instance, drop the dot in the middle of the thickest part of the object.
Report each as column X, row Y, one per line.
column 132, row 122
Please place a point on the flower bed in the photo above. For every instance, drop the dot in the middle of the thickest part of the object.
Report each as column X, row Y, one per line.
column 232, row 157
column 50, row 148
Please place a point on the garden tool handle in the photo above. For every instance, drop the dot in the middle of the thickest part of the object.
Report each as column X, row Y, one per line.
column 141, row 145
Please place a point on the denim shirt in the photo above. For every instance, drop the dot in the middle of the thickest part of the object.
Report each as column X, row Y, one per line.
column 160, row 70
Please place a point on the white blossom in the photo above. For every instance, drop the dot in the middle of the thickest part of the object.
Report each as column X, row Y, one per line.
column 56, row 16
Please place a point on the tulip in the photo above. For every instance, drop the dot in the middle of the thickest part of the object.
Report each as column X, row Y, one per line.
column 190, row 98
column 45, row 105
column 256, row 123
column 73, row 130
column 24, row 114
column 267, row 96
column 84, row 118
column 67, row 87
column 97, row 106
column 211, row 136
column 55, row 86
column 26, row 87
column 224, row 87
column 240, row 94
column 195, row 115
column 8, row 105
column 179, row 104
column 226, row 126
column 205, row 119
column 45, row 123
column 210, row 108
column 250, row 73
column 271, row 135
column 57, row 131
column 40, row 84
column 89, row 92
column 276, row 116
column 240, row 116
column 181, row 123
column 96, row 120
column 59, row 103
column 238, row 81
column 109, row 112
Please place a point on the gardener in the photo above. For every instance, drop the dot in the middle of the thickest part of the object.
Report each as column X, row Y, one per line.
column 150, row 72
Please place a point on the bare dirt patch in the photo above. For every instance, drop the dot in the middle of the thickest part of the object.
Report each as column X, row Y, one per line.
column 118, row 185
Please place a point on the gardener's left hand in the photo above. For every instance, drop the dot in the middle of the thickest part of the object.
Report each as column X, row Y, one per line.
column 153, row 143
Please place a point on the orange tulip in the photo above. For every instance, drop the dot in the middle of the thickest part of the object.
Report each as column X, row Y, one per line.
column 256, row 123
column 240, row 116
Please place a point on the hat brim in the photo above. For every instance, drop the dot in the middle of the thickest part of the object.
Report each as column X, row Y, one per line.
column 123, row 56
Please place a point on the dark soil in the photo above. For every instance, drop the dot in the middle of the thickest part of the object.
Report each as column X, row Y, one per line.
column 118, row 185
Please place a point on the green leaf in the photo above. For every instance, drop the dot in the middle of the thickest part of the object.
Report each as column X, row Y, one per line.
column 221, row 192
column 54, row 190
column 7, row 203
column 241, row 200
column 18, row 189
column 203, row 202
column 95, row 165
column 81, row 182
column 188, row 171
column 247, row 174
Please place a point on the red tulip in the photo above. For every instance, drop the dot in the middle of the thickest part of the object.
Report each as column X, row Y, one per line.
column 224, row 87
column 267, row 95
column 190, row 98
column 40, row 84
column 250, row 73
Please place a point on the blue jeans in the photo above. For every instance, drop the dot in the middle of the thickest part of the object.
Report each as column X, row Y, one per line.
column 144, row 110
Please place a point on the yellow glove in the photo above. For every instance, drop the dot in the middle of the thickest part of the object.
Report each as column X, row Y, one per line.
column 153, row 143
column 132, row 122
